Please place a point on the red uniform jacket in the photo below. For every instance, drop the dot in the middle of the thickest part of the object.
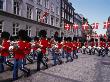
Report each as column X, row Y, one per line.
column 35, row 47
column 74, row 45
column 44, row 43
column 59, row 45
column 78, row 44
column 27, row 48
column 86, row 44
column 104, row 44
column 92, row 44
column 96, row 44
column 5, row 48
column 65, row 44
column 19, row 52
column 101, row 44
column 69, row 47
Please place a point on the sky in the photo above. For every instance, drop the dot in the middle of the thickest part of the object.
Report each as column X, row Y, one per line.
column 94, row 11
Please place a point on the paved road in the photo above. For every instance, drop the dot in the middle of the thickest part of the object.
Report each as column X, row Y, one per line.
column 88, row 68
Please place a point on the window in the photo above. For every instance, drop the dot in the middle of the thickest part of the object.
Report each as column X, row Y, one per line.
column 1, row 4
column 52, row 7
column 29, row 11
column 57, row 21
column 62, row 3
column 62, row 13
column 28, row 30
column 15, row 29
column 46, row 3
column 46, row 19
column 57, row 10
column 38, row 14
column 65, row 15
column 39, row 2
column 1, row 26
column 52, row 20
column 16, row 7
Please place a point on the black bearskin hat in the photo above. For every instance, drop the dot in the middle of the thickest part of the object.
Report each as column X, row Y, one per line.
column 5, row 35
column 43, row 33
column 36, row 38
column 13, row 38
column 96, row 40
column 74, row 38
column 69, row 39
column 22, row 34
column 28, row 39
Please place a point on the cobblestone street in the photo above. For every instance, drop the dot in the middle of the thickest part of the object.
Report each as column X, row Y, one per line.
column 88, row 68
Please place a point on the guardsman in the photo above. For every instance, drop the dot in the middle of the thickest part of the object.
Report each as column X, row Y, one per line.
column 92, row 47
column 19, row 55
column 74, row 44
column 85, row 46
column 64, row 47
column 57, row 51
column 27, row 49
column 43, row 44
column 4, row 49
column 78, row 45
column 69, row 49
column 35, row 47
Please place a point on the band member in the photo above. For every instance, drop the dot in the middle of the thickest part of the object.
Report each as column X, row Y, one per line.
column 74, row 44
column 19, row 55
column 4, row 49
column 101, row 47
column 92, row 47
column 57, row 51
column 85, row 47
column 43, row 45
column 69, row 47
column 64, row 47
column 78, row 43
column 27, row 49
column 35, row 47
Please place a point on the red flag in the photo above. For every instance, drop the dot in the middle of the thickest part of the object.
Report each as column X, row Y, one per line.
column 67, row 27
column 75, row 26
column 95, row 25
column 106, row 25
column 85, row 26
column 109, row 24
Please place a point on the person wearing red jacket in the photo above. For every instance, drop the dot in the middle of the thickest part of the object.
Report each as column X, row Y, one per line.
column 69, row 48
column 27, row 50
column 75, row 44
column 43, row 43
column 19, row 55
column 57, row 51
column 35, row 47
column 4, row 51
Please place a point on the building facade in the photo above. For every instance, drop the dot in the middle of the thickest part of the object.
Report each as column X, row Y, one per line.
column 78, row 21
column 28, row 15
column 67, row 17
column 108, row 29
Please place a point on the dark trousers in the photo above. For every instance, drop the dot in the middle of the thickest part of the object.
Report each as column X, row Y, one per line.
column 2, row 60
column 40, row 60
column 18, row 64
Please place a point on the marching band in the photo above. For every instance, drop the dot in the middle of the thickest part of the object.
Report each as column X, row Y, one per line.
column 24, row 48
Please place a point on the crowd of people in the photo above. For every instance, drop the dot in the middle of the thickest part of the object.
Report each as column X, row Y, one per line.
column 23, row 48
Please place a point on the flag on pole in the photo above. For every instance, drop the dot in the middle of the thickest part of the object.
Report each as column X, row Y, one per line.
column 95, row 25
column 75, row 26
column 106, row 25
column 67, row 27
column 85, row 26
